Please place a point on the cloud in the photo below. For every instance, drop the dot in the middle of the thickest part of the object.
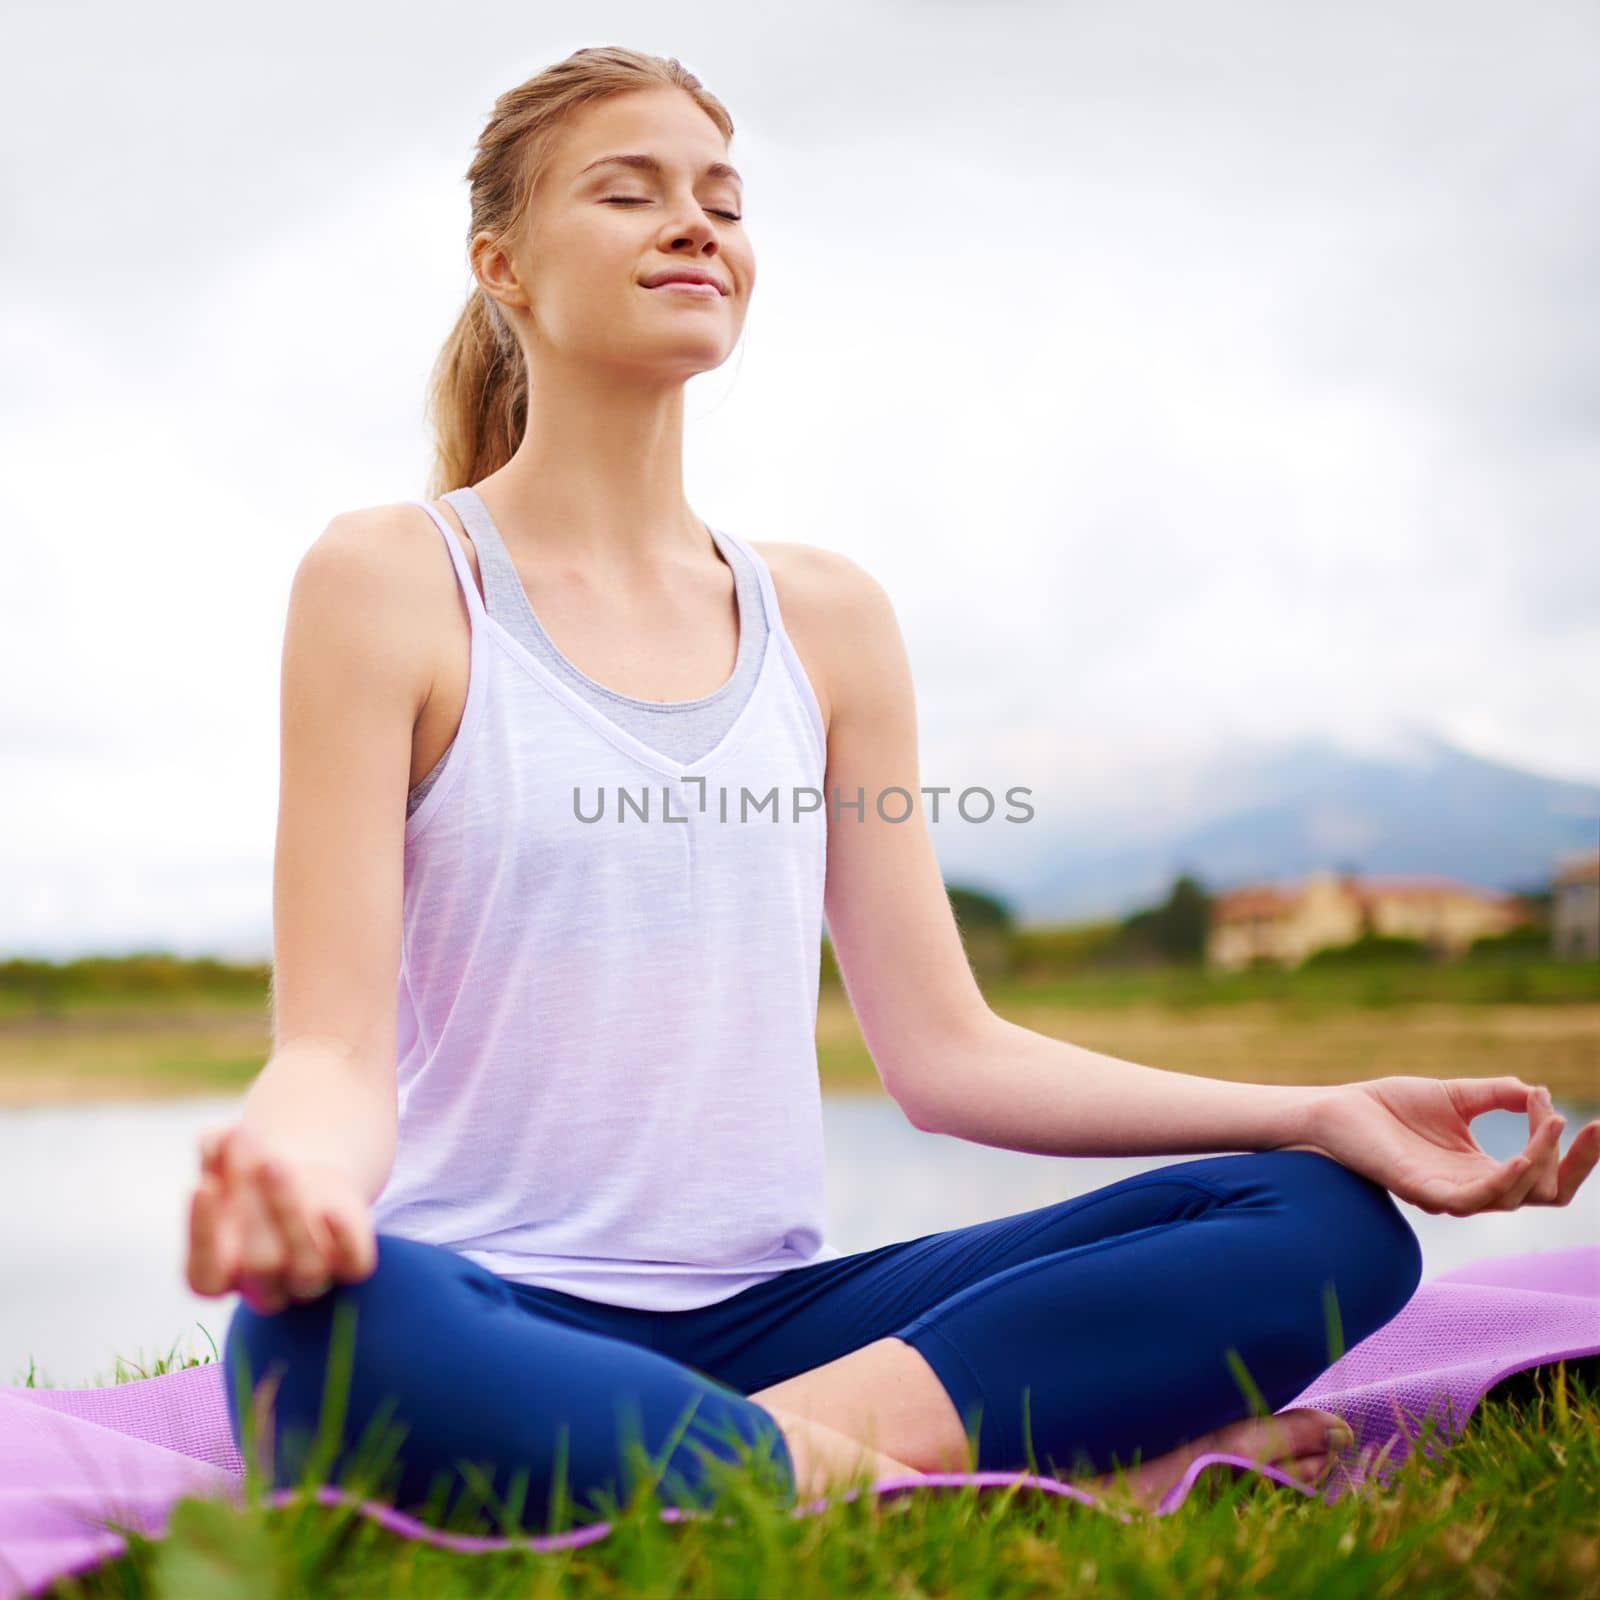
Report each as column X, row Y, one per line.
column 1185, row 376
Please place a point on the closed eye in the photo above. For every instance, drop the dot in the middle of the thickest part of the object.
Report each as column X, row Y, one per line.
column 634, row 200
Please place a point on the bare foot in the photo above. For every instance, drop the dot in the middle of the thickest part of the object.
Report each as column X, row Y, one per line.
column 825, row 1459
column 1294, row 1441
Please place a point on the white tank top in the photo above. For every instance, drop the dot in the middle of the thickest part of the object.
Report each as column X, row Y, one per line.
column 607, row 1029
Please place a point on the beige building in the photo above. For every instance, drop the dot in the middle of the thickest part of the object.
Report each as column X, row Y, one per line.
column 1575, row 909
column 1288, row 922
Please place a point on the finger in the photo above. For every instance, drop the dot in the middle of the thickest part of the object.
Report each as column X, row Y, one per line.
column 1541, row 1148
column 305, row 1267
column 356, row 1250
column 1477, row 1194
column 1474, row 1096
column 1579, row 1162
column 1497, row 1187
column 261, row 1250
column 211, row 1144
column 1544, row 1191
column 210, row 1265
column 1541, row 1155
column 261, row 1294
column 258, row 1292
column 1535, row 1154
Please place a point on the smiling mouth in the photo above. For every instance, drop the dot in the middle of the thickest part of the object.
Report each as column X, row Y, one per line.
column 707, row 291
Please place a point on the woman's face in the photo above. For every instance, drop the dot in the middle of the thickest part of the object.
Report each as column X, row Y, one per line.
column 572, row 283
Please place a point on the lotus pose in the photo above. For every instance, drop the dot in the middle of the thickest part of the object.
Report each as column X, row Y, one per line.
column 570, row 778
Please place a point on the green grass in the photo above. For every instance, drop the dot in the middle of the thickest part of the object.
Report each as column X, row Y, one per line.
column 1511, row 1508
column 149, row 993
column 1312, row 991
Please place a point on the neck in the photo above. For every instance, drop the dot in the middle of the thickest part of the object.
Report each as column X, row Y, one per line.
column 597, row 481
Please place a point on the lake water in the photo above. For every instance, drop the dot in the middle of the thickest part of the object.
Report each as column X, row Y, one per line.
column 96, row 1201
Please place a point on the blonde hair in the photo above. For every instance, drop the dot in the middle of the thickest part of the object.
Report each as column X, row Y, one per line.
column 478, row 391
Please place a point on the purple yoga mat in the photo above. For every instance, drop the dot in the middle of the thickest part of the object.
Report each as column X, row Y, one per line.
column 69, row 1457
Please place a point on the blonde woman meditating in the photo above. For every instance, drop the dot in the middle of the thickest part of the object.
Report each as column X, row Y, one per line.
column 569, row 778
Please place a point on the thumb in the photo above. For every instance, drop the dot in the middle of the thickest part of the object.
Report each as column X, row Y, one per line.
column 213, row 1240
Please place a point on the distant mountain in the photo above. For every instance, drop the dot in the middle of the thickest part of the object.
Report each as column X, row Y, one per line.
column 1247, row 811
column 1426, row 808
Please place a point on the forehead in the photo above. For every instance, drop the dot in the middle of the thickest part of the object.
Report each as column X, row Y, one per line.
column 654, row 130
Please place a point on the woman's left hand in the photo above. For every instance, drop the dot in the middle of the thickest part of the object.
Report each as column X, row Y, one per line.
column 1412, row 1136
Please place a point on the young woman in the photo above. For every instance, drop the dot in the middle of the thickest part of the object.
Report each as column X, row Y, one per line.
column 542, row 1108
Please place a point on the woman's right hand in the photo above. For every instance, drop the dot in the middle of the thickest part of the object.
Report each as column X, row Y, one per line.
column 274, row 1227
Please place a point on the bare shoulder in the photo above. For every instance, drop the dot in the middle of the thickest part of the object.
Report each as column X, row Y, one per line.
column 837, row 613
column 812, row 579
column 395, row 546
column 381, row 576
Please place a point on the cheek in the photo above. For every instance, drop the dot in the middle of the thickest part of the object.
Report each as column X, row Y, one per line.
column 590, row 249
column 582, row 275
column 745, row 265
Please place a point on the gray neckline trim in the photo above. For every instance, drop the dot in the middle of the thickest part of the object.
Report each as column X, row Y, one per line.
column 505, row 597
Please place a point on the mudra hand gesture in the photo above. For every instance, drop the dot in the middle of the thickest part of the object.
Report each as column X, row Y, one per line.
column 1412, row 1136
column 276, row 1228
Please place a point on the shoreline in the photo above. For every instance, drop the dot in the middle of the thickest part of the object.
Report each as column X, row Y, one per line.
column 80, row 1063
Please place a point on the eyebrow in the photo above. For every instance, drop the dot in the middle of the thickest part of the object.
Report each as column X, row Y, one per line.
column 713, row 169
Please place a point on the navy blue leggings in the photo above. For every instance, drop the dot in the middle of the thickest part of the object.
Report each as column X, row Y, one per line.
column 1104, row 1323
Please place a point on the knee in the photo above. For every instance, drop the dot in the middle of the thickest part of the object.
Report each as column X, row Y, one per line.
column 302, row 1325
column 282, row 1363
column 1373, row 1257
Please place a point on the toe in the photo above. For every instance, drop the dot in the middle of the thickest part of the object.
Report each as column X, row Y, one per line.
column 1307, row 1430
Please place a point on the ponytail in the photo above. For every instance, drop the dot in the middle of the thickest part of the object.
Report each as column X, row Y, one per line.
column 478, row 396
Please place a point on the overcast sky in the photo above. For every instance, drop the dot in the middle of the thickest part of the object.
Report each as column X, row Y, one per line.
column 1187, row 373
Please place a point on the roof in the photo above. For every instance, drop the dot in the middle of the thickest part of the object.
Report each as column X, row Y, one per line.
column 1280, row 900
column 1579, row 870
column 1258, row 900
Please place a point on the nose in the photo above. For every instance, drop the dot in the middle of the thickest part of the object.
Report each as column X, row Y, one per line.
column 693, row 232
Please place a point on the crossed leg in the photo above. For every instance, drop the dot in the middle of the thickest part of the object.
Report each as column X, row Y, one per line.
column 433, row 1380
column 1110, row 1312
column 887, row 1390
column 1116, row 1310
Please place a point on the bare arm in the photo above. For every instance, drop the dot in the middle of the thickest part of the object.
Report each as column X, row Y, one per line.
column 889, row 917
column 353, row 682
column 1022, row 1090
column 283, row 1201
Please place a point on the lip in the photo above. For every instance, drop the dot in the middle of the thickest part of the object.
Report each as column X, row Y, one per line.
column 701, row 291
column 669, row 277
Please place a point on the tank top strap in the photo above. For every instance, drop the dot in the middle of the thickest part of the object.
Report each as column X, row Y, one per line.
column 768, row 590
column 786, row 645
column 503, row 593
column 458, row 559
